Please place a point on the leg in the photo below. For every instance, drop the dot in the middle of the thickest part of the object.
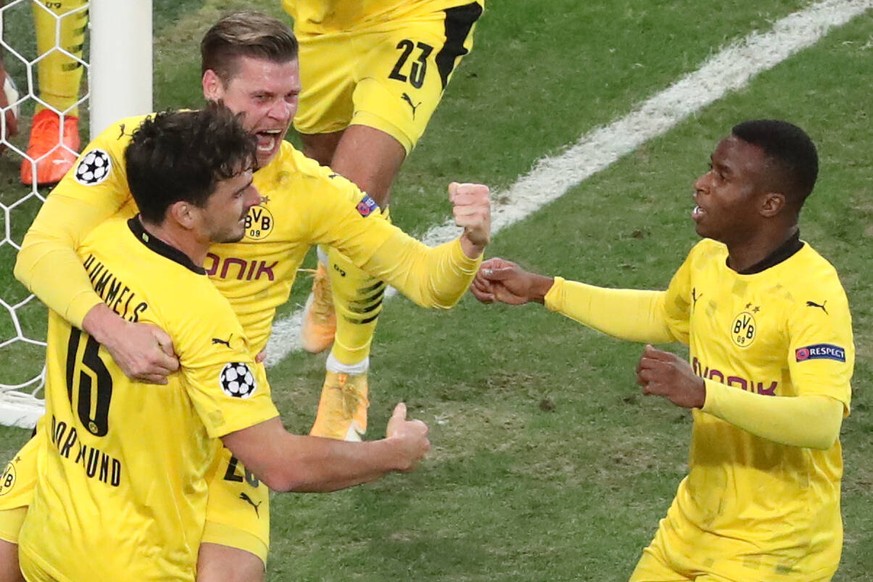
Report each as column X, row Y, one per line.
column 320, row 146
column 54, row 135
column 371, row 159
column 9, row 569
column 371, row 111
column 217, row 563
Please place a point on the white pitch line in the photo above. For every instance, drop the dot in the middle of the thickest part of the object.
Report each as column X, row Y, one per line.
column 552, row 177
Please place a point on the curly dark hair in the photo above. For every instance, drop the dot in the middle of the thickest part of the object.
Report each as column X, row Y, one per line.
column 181, row 155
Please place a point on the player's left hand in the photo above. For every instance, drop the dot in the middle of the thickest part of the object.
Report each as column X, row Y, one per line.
column 472, row 211
column 665, row 374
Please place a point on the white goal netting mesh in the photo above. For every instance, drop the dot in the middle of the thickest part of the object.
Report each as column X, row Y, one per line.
column 22, row 317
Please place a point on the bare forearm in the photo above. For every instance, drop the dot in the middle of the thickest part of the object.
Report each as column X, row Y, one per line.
column 287, row 462
column 329, row 465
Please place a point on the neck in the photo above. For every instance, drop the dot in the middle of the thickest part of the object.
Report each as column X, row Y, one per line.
column 753, row 250
column 179, row 238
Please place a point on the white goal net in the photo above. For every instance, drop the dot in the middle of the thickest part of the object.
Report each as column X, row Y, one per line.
column 117, row 81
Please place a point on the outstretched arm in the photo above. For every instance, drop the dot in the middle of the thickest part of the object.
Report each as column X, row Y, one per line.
column 287, row 462
column 623, row 313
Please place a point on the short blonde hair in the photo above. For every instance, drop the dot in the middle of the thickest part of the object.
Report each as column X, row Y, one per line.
column 245, row 34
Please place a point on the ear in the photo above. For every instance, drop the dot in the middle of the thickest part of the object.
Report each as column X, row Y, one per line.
column 772, row 204
column 183, row 213
column 213, row 88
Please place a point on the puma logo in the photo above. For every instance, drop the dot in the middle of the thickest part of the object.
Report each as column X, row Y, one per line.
column 248, row 500
column 408, row 99
column 820, row 306
column 216, row 341
column 123, row 131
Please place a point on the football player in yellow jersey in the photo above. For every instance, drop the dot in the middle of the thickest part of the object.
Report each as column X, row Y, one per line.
column 250, row 63
column 132, row 502
column 373, row 73
column 770, row 336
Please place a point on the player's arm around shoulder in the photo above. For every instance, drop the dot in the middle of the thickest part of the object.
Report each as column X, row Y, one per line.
column 288, row 462
column 88, row 195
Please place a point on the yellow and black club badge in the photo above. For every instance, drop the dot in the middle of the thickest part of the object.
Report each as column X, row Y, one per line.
column 743, row 329
column 259, row 223
column 7, row 481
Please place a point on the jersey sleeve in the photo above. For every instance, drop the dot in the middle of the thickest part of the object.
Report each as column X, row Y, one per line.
column 229, row 390
column 350, row 221
column 93, row 191
column 627, row 314
column 821, row 350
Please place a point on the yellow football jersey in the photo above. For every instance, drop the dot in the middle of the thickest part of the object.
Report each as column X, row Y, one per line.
column 121, row 491
column 304, row 204
column 783, row 331
column 324, row 16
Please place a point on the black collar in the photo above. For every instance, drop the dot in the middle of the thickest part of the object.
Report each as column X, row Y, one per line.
column 157, row 245
column 785, row 251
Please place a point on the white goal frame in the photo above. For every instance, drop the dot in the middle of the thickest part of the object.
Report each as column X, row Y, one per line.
column 119, row 84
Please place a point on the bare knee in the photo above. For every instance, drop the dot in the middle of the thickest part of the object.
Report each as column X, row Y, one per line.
column 217, row 563
column 9, row 569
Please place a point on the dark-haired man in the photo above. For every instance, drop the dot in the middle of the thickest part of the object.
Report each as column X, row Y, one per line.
column 770, row 336
column 124, row 468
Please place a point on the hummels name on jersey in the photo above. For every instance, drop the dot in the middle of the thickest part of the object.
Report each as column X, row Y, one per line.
column 113, row 291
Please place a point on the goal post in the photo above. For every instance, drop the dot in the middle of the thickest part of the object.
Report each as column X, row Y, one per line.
column 120, row 75
column 119, row 84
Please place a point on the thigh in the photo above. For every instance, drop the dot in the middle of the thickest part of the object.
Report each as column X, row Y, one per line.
column 9, row 568
column 238, row 508
column 660, row 561
column 218, row 563
column 653, row 567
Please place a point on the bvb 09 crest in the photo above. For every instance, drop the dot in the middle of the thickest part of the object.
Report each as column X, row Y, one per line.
column 259, row 222
column 743, row 329
column 7, row 480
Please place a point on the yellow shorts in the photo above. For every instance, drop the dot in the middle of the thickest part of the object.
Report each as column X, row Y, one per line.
column 681, row 552
column 237, row 511
column 16, row 490
column 387, row 75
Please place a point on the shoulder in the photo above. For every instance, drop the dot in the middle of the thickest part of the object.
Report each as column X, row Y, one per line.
column 812, row 272
column 119, row 133
column 708, row 249
column 292, row 173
